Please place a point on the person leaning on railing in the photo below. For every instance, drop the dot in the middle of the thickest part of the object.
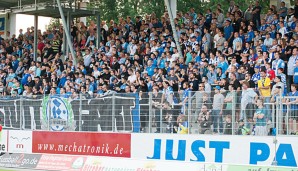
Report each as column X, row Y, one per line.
column 249, row 98
column 260, row 119
column 292, row 103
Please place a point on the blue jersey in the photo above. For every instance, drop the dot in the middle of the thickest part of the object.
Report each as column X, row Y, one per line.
column 296, row 75
column 294, row 96
column 263, row 27
column 250, row 36
column 168, row 93
column 256, row 77
column 223, row 65
column 150, row 70
column 228, row 31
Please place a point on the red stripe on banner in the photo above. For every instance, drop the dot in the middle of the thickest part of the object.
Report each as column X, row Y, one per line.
column 82, row 143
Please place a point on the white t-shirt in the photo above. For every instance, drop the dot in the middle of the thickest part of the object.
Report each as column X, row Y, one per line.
column 132, row 78
column 283, row 31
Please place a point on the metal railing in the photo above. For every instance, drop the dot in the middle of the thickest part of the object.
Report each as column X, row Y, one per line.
column 175, row 112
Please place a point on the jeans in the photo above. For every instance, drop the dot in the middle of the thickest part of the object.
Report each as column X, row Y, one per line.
column 217, row 120
column 157, row 119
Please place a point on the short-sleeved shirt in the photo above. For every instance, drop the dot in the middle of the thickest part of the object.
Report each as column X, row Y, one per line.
column 294, row 96
column 264, row 83
column 228, row 31
column 261, row 122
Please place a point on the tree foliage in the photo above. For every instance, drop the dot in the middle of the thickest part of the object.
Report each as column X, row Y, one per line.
column 54, row 23
column 114, row 9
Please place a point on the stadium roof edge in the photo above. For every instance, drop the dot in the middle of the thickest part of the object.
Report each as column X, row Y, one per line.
column 46, row 8
column 52, row 11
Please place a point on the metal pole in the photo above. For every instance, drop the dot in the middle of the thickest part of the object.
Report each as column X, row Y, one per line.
column 80, row 114
column 277, row 114
column 68, row 18
column 50, row 112
column 113, row 112
column 233, row 112
column 68, row 38
column 173, row 27
column 280, row 114
column 64, row 47
column 98, row 31
column 150, row 112
column 273, row 113
column 189, row 112
column 35, row 37
column 287, row 119
column 160, row 121
column 21, row 112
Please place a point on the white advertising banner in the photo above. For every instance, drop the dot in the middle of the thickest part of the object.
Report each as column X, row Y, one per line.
column 247, row 150
column 3, row 141
column 19, row 141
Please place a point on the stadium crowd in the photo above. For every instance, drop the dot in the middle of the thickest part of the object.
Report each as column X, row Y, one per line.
column 232, row 52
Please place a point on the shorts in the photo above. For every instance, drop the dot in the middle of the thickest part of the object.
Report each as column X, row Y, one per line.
column 293, row 113
column 261, row 131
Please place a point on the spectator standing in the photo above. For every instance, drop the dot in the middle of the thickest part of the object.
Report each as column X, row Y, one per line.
column 256, row 11
column 228, row 31
column 217, row 111
column 293, row 107
column 291, row 66
column 283, row 10
column 249, row 97
column 204, row 120
column 260, row 119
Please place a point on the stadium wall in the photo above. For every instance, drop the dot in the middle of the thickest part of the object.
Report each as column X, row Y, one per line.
column 248, row 150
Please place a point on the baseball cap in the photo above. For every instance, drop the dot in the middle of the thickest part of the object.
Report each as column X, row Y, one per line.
column 217, row 87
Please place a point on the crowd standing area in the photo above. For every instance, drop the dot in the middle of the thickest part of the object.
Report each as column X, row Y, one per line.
column 232, row 52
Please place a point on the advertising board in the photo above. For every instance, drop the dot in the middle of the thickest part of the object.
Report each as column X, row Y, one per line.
column 19, row 141
column 3, row 141
column 60, row 162
column 245, row 150
column 125, row 164
column 19, row 160
column 82, row 143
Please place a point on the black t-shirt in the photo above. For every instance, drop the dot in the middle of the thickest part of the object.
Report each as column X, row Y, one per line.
column 105, row 76
column 115, row 66
column 195, row 85
column 185, row 79
column 257, row 15
column 236, row 84
column 289, row 55
column 74, row 31
column 48, row 52
column 296, row 11
column 9, row 49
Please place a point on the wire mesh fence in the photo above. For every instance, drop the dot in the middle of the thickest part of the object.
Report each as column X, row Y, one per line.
column 184, row 112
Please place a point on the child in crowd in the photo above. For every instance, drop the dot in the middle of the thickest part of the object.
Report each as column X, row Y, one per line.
column 169, row 122
column 228, row 125
column 182, row 125
column 242, row 130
